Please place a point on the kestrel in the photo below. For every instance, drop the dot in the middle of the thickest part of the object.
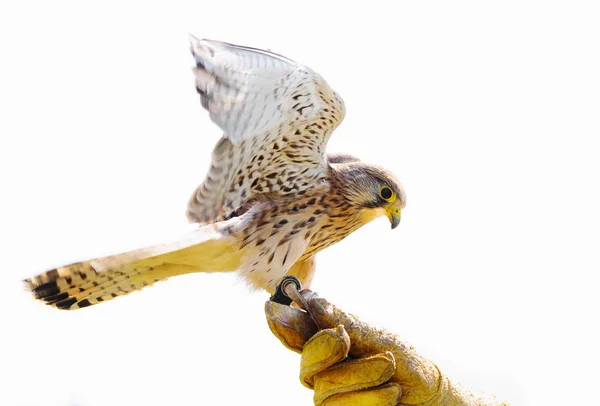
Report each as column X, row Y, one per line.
column 272, row 198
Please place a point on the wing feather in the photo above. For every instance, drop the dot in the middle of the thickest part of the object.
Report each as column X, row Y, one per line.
column 276, row 116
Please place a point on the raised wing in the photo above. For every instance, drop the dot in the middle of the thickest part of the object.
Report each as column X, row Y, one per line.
column 276, row 115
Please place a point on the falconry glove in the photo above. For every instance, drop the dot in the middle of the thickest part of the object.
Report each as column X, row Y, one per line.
column 348, row 362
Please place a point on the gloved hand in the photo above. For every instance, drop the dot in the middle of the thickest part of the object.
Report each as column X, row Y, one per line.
column 348, row 362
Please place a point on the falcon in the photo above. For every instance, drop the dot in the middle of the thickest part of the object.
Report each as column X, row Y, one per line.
column 272, row 198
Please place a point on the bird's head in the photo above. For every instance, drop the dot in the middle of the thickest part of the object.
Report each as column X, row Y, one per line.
column 375, row 190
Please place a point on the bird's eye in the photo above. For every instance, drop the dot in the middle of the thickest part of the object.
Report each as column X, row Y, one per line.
column 386, row 193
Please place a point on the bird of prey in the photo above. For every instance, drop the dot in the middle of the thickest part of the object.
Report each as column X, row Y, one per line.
column 272, row 198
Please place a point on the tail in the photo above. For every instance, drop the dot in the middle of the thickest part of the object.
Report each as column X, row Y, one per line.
column 86, row 283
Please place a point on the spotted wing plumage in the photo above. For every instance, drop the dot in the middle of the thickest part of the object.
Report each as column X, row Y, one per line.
column 276, row 116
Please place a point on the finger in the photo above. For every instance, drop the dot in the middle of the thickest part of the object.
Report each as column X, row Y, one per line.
column 293, row 327
column 354, row 375
column 385, row 395
column 418, row 376
column 322, row 351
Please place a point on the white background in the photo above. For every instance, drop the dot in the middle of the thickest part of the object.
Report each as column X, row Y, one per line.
column 487, row 111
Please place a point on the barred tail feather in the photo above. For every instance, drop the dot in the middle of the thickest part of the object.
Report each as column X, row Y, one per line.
column 87, row 283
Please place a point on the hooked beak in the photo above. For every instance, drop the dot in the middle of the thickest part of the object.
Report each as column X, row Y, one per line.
column 394, row 216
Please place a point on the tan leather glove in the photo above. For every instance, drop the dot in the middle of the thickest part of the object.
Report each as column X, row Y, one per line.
column 348, row 362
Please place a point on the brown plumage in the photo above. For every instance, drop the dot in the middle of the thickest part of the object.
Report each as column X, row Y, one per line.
column 271, row 199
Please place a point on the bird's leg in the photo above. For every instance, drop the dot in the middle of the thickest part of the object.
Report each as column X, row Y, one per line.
column 290, row 289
